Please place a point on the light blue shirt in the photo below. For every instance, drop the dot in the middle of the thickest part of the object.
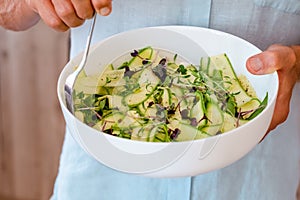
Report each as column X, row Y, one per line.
column 270, row 171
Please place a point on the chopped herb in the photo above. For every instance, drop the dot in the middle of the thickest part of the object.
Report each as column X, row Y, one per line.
column 181, row 69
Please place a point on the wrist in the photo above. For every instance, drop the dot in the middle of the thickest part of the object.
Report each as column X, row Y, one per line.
column 296, row 51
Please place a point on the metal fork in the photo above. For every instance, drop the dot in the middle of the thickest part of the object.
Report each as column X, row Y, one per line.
column 71, row 79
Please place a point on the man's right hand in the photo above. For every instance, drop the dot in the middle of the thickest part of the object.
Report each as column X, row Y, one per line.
column 64, row 14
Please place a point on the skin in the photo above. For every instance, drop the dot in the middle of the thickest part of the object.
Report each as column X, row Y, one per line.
column 60, row 15
column 286, row 61
column 64, row 14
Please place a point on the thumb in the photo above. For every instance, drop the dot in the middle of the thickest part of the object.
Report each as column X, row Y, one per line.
column 276, row 57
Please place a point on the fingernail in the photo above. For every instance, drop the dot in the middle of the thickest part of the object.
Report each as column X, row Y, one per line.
column 104, row 11
column 256, row 64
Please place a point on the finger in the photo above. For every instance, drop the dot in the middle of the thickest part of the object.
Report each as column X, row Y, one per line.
column 83, row 8
column 103, row 7
column 276, row 57
column 67, row 13
column 282, row 105
column 49, row 16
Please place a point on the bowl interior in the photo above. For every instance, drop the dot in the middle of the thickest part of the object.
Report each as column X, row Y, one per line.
column 113, row 47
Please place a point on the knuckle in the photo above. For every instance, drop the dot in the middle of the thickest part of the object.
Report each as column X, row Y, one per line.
column 273, row 55
column 57, row 25
column 87, row 14
column 273, row 59
column 65, row 11
column 77, row 23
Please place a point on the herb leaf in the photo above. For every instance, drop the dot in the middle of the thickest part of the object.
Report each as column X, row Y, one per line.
column 260, row 108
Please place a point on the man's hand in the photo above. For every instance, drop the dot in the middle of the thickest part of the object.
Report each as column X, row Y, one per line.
column 64, row 14
column 284, row 60
column 60, row 15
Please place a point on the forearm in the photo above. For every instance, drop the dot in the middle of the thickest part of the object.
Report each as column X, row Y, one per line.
column 16, row 15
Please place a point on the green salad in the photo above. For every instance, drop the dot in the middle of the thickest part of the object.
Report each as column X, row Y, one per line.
column 155, row 96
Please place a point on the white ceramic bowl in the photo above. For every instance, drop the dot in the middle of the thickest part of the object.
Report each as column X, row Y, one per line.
column 181, row 158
